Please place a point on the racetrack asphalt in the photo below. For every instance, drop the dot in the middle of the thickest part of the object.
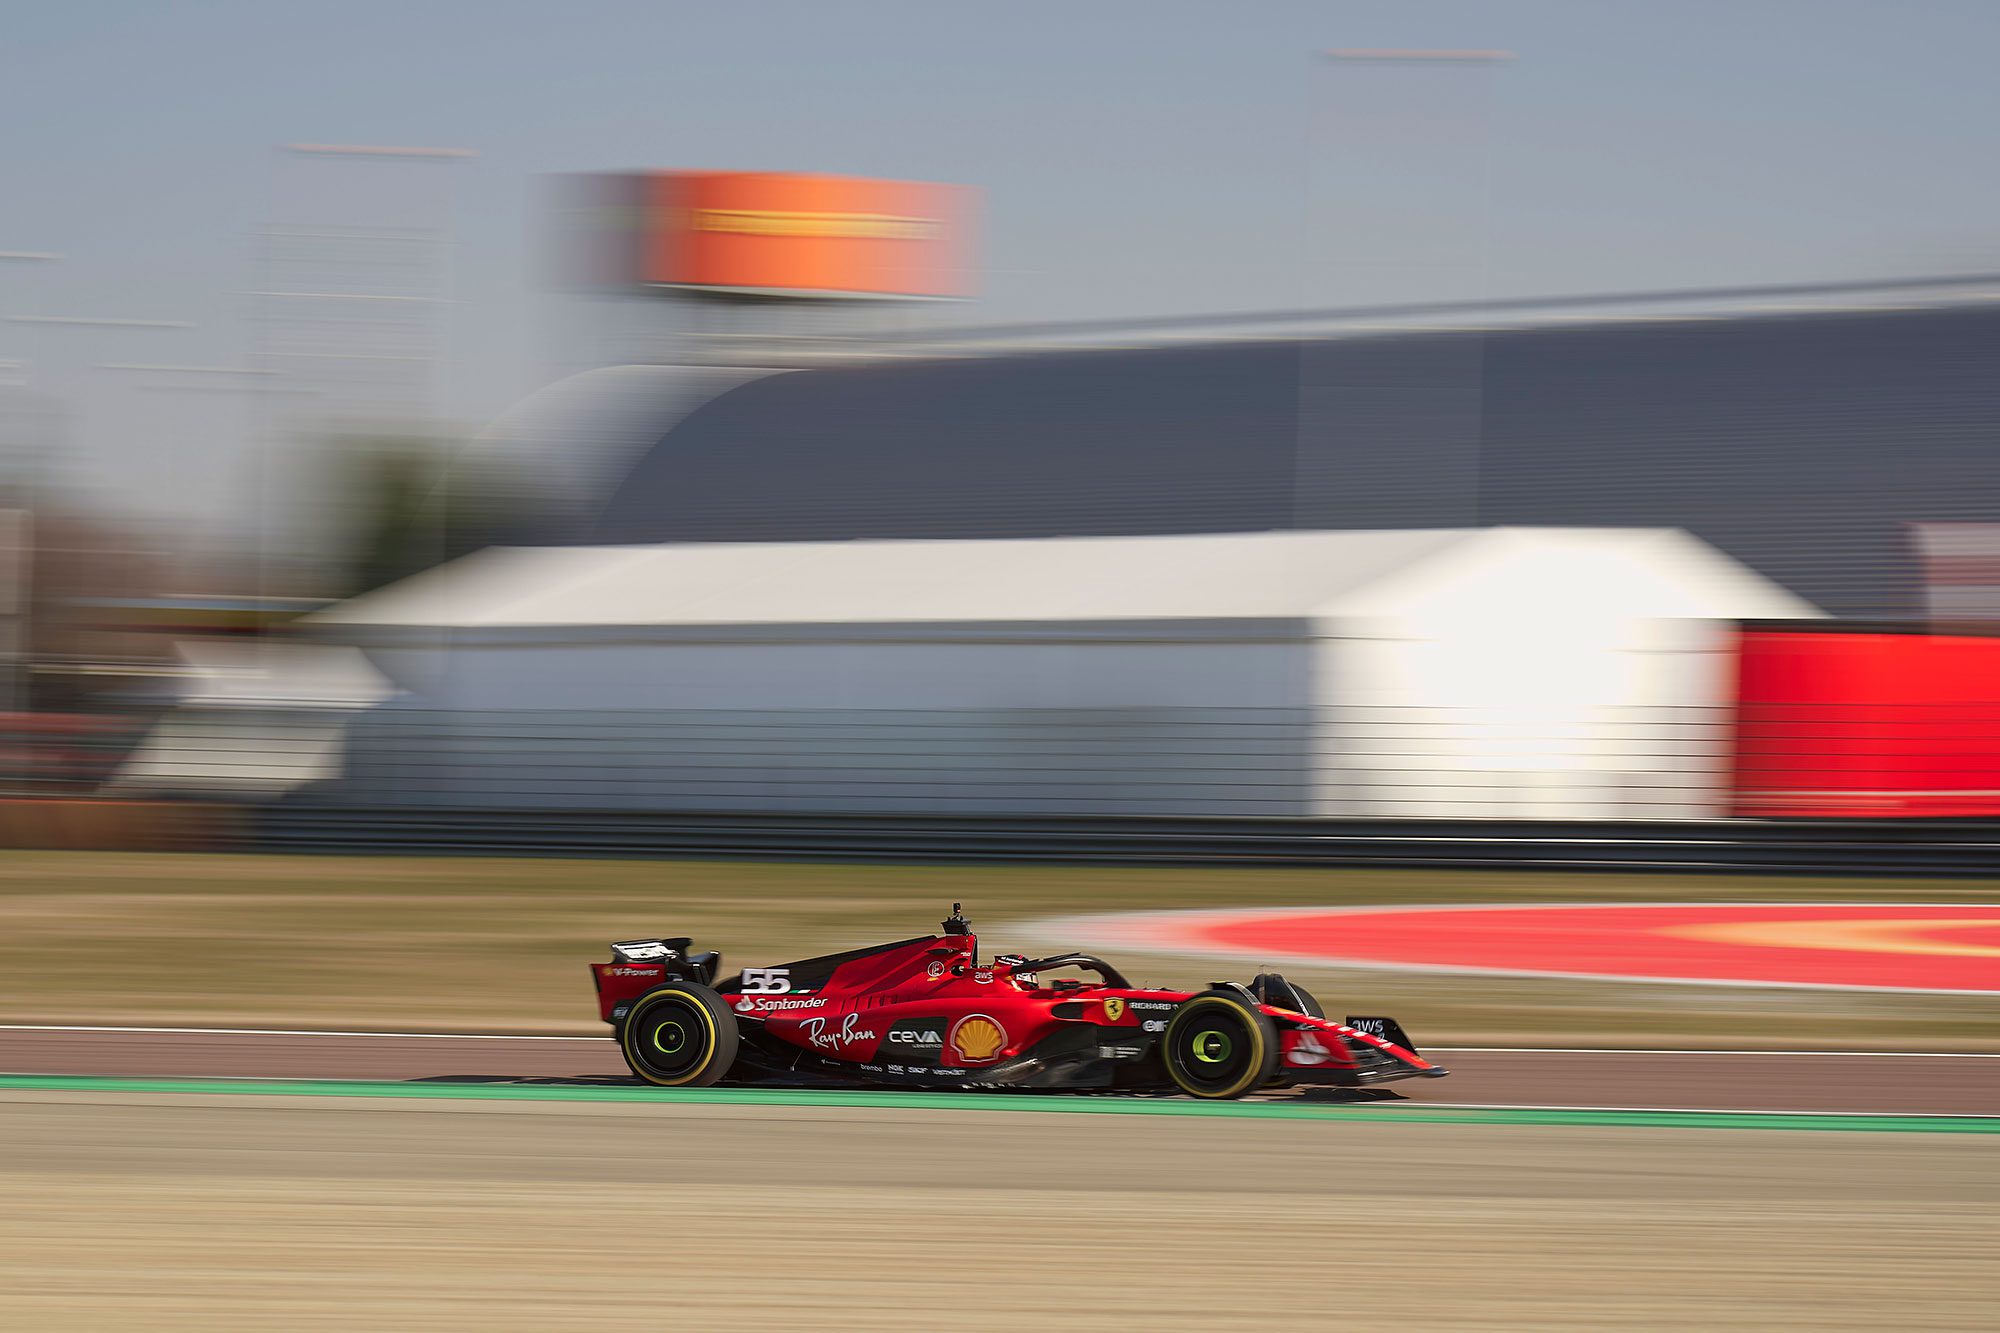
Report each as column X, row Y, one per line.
column 191, row 1212
column 1823, row 1082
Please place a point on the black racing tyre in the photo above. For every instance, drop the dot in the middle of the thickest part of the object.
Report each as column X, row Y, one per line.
column 680, row 1035
column 1219, row 1046
column 1307, row 1004
column 1274, row 990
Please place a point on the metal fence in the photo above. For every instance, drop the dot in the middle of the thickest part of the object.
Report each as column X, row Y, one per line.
column 1818, row 848
column 1258, row 762
column 1350, row 762
column 1628, row 790
column 62, row 754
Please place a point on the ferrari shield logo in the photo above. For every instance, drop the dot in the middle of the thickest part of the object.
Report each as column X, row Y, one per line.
column 1114, row 1009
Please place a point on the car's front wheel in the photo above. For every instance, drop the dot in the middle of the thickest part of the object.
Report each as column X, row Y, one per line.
column 1274, row 990
column 680, row 1035
column 1220, row 1046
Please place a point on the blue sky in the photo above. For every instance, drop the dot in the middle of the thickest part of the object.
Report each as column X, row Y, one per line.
column 1139, row 156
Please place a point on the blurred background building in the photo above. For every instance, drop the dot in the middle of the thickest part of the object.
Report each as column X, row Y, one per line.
column 1524, row 672
column 1810, row 444
column 789, row 539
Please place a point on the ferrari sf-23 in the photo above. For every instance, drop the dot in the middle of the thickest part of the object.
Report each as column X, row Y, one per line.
column 927, row 1013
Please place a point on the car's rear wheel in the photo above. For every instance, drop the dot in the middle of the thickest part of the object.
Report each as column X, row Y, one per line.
column 1220, row 1046
column 680, row 1035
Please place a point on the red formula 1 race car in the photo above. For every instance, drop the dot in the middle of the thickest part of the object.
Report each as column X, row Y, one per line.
column 926, row 1013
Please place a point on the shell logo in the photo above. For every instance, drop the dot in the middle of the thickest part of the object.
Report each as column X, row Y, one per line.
column 804, row 235
column 977, row 1038
column 850, row 226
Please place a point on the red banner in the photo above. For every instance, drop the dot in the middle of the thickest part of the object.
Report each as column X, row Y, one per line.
column 1875, row 725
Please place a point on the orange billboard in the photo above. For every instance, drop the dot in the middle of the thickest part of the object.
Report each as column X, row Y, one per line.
column 781, row 234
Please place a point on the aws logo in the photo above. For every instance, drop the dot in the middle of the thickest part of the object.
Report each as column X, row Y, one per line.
column 978, row 1038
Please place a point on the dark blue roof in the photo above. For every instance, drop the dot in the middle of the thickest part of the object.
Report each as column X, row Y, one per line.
column 1802, row 445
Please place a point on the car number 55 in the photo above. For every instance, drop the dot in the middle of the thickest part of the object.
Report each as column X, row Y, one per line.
column 766, row 980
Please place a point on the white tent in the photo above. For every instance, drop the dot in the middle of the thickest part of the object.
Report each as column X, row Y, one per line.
column 1508, row 672
column 253, row 719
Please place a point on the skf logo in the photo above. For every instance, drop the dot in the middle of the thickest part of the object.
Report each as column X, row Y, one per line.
column 978, row 1039
column 1114, row 1009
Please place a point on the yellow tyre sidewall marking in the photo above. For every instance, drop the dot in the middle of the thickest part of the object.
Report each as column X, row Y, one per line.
column 1256, row 1061
column 626, row 1039
column 1844, row 935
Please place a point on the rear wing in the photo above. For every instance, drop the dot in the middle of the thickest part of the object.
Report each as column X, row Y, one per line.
column 673, row 956
column 637, row 966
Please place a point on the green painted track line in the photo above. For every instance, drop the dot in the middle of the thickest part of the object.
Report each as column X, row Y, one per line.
column 989, row 1101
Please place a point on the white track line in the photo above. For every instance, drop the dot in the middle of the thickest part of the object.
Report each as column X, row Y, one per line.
column 502, row 1036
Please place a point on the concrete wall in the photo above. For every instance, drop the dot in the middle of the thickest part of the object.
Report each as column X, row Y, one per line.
column 898, row 674
column 1081, row 761
column 1452, row 715
column 1046, row 727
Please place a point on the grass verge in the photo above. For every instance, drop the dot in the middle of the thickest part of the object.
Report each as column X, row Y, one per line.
column 500, row 945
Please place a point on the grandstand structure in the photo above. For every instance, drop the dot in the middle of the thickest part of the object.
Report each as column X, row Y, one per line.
column 1813, row 433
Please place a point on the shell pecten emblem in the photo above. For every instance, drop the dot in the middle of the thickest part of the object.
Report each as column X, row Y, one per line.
column 977, row 1038
column 1114, row 1009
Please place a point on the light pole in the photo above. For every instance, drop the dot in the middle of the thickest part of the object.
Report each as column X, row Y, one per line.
column 16, row 531
column 1418, row 56
column 354, row 293
column 1397, row 202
